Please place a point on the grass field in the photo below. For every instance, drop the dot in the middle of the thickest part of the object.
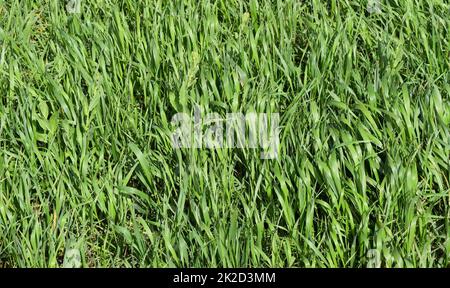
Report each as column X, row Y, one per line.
column 89, row 176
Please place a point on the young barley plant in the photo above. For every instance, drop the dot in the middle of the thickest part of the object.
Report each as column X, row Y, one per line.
column 89, row 176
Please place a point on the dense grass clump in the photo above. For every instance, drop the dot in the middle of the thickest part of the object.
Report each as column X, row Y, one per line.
column 86, row 160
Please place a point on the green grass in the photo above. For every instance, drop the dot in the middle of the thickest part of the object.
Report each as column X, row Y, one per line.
column 86, row 161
